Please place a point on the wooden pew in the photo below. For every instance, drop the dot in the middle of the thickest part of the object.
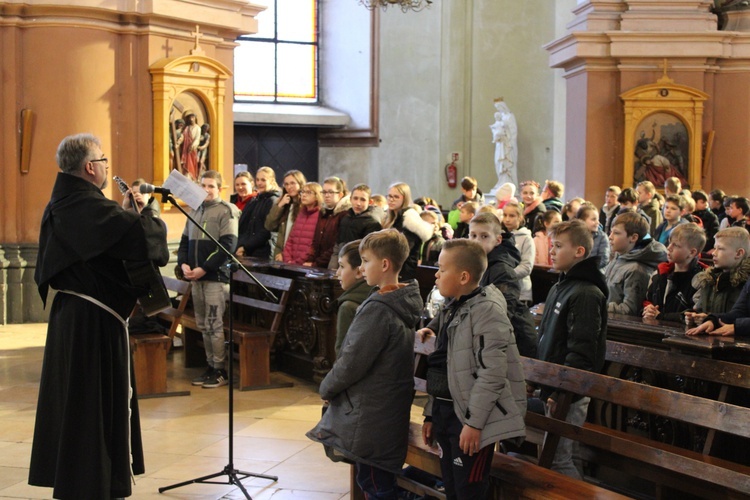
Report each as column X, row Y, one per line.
column 511, row 477
column 694, row 472
column 150, row 350
column 255, row 338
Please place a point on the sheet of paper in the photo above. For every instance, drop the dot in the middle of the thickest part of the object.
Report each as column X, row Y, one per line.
column 185, row 189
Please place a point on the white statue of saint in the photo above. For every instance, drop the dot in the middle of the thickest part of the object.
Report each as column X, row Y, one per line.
column 505, row 137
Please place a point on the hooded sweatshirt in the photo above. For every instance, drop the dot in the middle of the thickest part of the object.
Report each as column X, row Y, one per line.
column 718, row 289
column 628, row 276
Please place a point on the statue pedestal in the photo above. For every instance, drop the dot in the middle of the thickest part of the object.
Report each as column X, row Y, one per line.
column 737, row 20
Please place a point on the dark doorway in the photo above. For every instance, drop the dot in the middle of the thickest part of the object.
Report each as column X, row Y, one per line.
column 281, row 148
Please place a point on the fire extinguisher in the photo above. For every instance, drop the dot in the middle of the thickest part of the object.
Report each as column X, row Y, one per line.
column 451, row 174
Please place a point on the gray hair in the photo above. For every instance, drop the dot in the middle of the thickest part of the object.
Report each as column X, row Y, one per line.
column 74, row 151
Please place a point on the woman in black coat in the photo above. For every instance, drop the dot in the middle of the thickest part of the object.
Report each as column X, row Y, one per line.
column 254, row 239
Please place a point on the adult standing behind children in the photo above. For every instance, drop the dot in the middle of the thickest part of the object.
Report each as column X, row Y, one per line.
column 243, row 190
column 284, row 212
column 475, row 380
column 405, row 219
column 573, row 329
column 203, row 264
column 254, row 238
column 635, row 260
column 670, row 293
column 609, row 210
column 335, row 204
column 371, row 384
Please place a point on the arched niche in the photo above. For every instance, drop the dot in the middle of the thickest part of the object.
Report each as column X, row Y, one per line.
column 663, row 133
column 181, row 85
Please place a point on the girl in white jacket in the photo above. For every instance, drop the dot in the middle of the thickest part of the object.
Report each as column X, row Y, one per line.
column 513, row 222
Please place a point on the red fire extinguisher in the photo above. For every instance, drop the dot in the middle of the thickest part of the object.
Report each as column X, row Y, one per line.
column 451, row 174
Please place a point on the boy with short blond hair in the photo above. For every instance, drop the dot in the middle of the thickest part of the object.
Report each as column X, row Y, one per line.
column 471, row 405
column 573, row 329
column 670, row 293
column 503, row 256
column 720, row 286
column 636, row 256
column 370, row 386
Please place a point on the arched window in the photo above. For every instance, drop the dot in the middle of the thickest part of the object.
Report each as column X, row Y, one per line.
column 279, row 64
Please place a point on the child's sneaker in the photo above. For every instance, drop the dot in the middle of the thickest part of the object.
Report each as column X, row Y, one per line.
column 217, row 379
column 204, row 377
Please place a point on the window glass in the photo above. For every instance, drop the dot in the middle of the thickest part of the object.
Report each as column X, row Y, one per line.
column 280, row 62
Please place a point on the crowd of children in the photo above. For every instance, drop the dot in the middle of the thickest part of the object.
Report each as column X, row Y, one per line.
column 638, row 254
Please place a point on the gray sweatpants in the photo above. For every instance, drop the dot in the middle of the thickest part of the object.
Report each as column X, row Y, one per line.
column 209, row 302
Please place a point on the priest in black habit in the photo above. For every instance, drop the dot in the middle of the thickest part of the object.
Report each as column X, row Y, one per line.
column 85, row 444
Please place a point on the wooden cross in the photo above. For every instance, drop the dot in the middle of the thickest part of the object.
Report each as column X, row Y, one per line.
column 197, row 50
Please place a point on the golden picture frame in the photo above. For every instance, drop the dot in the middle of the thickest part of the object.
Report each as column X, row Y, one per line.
column 663, row 134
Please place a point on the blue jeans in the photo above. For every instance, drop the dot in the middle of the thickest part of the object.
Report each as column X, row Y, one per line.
column 376, row 483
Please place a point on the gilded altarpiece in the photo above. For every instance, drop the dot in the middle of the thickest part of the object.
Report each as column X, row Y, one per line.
column 663, row 133
column 189, row 79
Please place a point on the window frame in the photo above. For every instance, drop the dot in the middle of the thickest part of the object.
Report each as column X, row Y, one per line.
column 276, row 42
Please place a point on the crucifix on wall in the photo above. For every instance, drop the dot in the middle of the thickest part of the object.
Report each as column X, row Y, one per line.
column 197, row 50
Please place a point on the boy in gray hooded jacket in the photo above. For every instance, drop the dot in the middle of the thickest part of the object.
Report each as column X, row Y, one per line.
column 636, row 257
column 475, row 380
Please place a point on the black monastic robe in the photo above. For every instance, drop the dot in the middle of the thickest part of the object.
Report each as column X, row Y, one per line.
column 82, row 427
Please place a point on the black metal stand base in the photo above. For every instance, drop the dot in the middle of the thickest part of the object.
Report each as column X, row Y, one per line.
column 234, row 477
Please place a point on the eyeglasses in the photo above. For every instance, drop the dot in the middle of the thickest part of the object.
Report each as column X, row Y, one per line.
column 394, row 196
column 305, row 191
column 331, row 192
column 105, row 160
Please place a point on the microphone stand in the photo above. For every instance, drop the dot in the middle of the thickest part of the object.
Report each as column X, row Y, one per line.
column 234, row 476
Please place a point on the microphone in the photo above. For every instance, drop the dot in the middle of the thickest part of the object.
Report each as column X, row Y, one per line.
column 150, row 188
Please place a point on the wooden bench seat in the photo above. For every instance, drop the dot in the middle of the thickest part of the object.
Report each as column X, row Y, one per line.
column 665, row 464
column 255, row 332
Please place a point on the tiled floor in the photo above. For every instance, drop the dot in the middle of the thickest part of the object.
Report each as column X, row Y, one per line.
column 183, row 437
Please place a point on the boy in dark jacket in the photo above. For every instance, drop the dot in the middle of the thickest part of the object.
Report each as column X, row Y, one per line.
column 371, row 384
column 356, row 289
column 573, row 330
column 202, row 263
column 361, row 219
column 503, row 257
column 709, row 219
column 671, row 291
column 720, row 286
column 475, row 380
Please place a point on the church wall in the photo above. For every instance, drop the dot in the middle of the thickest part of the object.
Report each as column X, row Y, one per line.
column 84, row 68
column 729, row 169
column 440, row 71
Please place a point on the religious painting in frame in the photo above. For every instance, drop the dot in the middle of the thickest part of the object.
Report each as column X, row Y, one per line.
column 188, row 89
column 663, row 134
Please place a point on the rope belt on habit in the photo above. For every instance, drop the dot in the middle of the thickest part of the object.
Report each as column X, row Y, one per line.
column 124, row 323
